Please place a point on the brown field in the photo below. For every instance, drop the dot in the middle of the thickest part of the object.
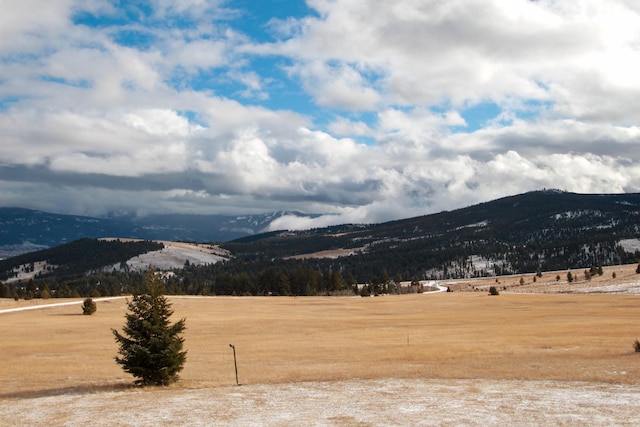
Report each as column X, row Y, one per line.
column 464, row 344
column 626, row 280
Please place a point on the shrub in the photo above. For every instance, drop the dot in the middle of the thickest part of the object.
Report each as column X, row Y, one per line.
column 493, row 291
column 89, row 307
column 636, row 346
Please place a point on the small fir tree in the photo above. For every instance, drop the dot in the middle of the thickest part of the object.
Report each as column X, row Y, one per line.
column 89, row 307
column 45, row 293
column 151, row 348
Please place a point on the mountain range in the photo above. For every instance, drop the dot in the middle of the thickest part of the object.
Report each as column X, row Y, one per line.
column 26, row 230
column 537, row 231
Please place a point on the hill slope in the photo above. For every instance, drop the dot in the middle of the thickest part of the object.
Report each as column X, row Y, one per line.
column 546, row 230
column 537, row 231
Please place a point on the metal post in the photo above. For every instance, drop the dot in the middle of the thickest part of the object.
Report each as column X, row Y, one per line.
column 235, row 363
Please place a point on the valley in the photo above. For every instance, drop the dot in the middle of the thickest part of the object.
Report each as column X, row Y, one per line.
column 538, row 358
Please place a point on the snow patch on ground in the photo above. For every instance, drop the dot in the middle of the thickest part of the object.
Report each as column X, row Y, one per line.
column 434, row 285
column 618, row 288
column 389, row 402
column 630, row 245
column 174, row 255
column 24, row 272
column 480, row 224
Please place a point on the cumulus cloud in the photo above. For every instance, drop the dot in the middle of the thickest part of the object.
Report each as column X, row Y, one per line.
column 337, row 86
column 467, row 51
column 360, row 112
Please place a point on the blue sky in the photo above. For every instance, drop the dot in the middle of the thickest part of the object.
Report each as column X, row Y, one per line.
column 134, row 26
column 359, row 111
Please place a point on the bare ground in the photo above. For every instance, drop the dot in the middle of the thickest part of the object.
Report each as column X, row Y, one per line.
column 389, row 402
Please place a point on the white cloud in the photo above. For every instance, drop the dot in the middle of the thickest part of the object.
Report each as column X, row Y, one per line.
column 160, row 122
column 198, row 54
column 340, row 87
column 183, row 123
column 26, row 23
column 466, row 51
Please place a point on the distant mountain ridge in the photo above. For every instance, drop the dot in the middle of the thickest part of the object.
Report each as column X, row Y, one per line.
column 545, row 230
column 27, row 230
column 522, row 234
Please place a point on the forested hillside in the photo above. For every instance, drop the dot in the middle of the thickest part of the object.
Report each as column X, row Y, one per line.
column 544, row 230
column 537, row 231
column 69, row 263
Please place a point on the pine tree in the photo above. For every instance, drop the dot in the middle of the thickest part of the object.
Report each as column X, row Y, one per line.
column 151, row 348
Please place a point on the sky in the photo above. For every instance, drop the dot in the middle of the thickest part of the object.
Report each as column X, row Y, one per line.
column 361, row 111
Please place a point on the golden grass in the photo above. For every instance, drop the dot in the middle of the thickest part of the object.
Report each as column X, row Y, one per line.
column 278, row 340
column 548, row 283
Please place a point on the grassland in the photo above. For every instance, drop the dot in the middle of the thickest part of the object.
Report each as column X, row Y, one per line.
column 282, row 340
column 459, row 336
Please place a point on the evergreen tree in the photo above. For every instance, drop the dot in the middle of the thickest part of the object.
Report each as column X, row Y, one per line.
column 64, row 291
column 45, row 293
column 151, row 348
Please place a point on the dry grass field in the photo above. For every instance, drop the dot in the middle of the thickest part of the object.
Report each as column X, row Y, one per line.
column 615, row 279
column 391, row 360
